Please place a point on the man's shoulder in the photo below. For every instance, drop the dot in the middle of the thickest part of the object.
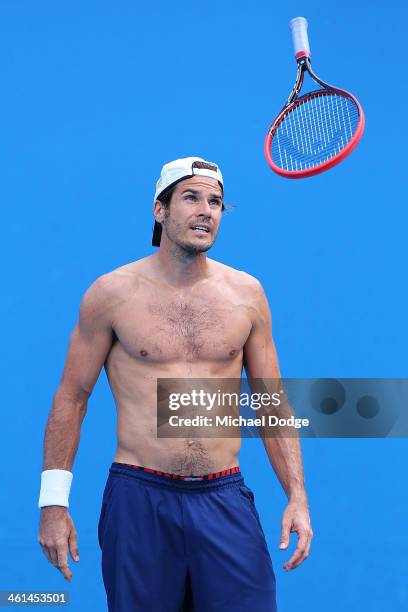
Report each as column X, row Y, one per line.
column 237, row 278
column 113, row 287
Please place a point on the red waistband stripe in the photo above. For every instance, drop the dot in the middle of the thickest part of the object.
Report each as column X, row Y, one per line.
column 233, row 470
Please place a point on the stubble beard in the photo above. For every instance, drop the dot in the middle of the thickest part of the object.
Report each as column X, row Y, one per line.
column 188, row 247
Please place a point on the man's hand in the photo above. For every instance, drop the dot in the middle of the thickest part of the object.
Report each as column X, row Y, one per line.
column 296, row 518
column 57, row 534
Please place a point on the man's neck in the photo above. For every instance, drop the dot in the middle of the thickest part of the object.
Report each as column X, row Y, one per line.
column 180, row 268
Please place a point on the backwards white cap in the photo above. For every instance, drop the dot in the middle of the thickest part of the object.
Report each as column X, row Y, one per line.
column 180, row 169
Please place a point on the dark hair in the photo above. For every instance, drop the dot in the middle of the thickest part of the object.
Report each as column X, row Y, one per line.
column 165, row 198
column 166, row 195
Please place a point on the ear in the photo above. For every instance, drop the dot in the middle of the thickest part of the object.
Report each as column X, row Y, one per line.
column 158, row 211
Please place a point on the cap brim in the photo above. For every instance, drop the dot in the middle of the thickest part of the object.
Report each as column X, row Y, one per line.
column 157, row 232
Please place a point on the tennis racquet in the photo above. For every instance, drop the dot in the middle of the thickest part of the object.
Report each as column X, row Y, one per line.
column 317, row 130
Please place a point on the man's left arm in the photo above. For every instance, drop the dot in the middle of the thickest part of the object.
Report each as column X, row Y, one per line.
column 261, row 361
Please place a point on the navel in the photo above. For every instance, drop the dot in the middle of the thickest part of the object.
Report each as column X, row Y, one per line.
column 143, row 353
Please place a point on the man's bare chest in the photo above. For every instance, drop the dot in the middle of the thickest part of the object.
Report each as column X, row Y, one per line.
column 199, row 327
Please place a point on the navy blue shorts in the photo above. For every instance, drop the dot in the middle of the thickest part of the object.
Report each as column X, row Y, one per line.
column 180, row 545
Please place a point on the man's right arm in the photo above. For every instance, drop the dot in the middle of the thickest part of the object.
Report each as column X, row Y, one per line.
column 89, row 346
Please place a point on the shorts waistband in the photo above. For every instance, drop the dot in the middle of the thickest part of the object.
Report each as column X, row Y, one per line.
column 223, row 478
column 233, row 470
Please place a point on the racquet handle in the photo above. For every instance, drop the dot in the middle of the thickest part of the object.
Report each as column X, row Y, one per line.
column 298, row 25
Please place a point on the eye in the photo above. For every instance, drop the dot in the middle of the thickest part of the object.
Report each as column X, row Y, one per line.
column 215, row 203
column 191, row 196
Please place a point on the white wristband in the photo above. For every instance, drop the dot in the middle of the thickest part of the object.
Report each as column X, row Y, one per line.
column 55, row 487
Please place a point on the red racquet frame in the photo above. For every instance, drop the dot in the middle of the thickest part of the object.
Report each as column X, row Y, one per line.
column 303, row 61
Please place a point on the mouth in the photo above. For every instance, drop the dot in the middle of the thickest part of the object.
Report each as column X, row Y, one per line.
column 200, row 229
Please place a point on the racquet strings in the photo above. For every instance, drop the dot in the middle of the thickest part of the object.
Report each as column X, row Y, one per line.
column 315, row 130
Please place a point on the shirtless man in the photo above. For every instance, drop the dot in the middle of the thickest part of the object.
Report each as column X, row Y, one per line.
column 178, row 527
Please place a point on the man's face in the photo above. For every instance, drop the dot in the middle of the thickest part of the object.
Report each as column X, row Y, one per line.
column 194, row 214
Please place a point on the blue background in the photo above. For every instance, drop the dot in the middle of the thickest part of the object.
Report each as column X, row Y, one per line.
column 96, row 96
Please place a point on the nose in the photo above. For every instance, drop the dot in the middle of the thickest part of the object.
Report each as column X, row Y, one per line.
column 204, row 208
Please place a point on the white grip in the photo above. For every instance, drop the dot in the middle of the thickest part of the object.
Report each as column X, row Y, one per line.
column 298, row 25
